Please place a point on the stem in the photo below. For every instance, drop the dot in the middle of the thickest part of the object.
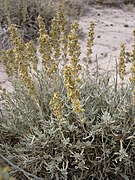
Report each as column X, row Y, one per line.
column 28, row 175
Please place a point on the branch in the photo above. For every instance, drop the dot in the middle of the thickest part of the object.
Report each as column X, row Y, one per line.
column 28, row 175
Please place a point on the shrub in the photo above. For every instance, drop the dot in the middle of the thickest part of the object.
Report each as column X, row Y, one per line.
column 59, row 122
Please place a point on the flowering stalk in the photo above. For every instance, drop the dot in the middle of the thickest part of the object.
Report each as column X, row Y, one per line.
column 121, row 65
column 17, row 63
column 57, row 106
column 62, row 24
column 45, row 48
column 74, row 49
column 55, row 38
column 71, row 72
column 18, row 48
column 90, row 42
column 8, row 61
column 31, row 55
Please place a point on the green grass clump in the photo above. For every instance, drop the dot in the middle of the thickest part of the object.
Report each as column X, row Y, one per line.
column 59, row 122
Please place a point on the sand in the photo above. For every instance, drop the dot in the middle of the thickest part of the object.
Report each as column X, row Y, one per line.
column 112, row 27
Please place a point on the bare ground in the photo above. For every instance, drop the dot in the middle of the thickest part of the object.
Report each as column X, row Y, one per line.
column 112, row 27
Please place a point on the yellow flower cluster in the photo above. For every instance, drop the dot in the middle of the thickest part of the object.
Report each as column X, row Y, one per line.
column 132, row 79
column 74, row 49
column 8, row 62
column 31, row 55
column 16, row 62
column 57, row 106
column 121, row 65
column 70, row 83
column 18, row 47
column 55, row 38
column 72, row 88
column 21, row 60
column 62, row 24
column 71, row 72
column 64, row 43
column 45, row 48
column 90, row 42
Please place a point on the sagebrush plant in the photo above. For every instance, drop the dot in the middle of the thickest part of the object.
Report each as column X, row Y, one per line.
column 57, row 125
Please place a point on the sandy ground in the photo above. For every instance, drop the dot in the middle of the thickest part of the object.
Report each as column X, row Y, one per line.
column 112, row 27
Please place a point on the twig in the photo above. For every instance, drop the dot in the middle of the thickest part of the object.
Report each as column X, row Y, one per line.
column 28, row 175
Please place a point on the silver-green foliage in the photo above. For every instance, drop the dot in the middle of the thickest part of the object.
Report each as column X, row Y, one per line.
column 101, row 148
